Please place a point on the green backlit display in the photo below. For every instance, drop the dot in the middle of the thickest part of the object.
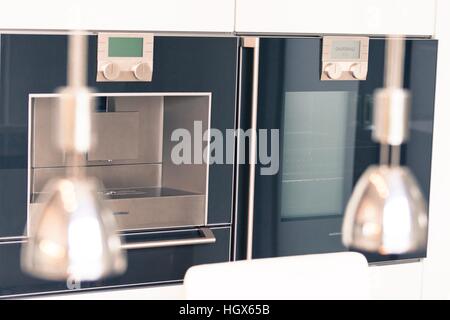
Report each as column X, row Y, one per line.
column 125, row 47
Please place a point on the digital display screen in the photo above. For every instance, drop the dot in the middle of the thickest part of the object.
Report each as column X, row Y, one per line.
column 345, row 49
column 125, row 47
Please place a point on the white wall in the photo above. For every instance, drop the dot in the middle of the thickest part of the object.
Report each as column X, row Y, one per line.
column 436, row 282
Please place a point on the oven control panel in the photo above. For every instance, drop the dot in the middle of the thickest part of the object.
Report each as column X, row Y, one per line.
column 124, row 57
column 344, row 58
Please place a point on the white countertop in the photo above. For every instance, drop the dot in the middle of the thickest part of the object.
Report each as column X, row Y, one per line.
column 402, row 281
column 160, row 292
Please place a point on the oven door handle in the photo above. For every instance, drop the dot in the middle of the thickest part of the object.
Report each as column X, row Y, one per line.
column 207, row 236
column 252, row 42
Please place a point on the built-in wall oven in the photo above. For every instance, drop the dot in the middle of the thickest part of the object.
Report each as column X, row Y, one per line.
column 176, row 215
column 171, row 215
column 324, row 123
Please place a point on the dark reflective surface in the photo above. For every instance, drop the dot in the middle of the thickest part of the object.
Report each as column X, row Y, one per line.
column 325, row 132
column 144, row 265
column 32, row 64
column 26, row 66
column 37, row 64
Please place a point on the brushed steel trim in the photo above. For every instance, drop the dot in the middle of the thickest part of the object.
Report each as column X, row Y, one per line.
column 235, row 126
column 395, row 262
column 237, row 156
column 207, row 95
column 112, row 177
column 254, row 43
column 221, row 34
column 320, row 35
column 171, row 176
column 94, row 32
column 13, row 240
column 207, row 238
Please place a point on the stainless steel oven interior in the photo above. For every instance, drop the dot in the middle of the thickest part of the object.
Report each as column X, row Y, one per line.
column 131, row 157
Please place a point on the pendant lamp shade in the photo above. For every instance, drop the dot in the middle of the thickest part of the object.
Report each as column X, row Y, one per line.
column 74, row 234
column 386, row 213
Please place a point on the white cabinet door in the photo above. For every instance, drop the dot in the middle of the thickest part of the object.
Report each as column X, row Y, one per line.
column 398, row 281
column 145, row 15
column 410, row 17
column 436, row 283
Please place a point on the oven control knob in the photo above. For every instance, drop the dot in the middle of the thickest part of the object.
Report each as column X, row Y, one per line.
column 110, row 70
column 356, row 71
column 333, row 71
column 142, row 71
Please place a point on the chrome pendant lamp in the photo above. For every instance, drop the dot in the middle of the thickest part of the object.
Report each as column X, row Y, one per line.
column 75, row 233
column 387, row 213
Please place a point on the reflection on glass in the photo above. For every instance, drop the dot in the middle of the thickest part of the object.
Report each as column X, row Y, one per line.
column 318, row 152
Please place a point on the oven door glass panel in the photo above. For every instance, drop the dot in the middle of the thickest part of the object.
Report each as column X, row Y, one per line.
column 318, row 152
column 325, row 132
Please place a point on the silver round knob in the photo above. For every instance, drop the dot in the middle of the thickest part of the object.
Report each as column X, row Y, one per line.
column 111, row 71
column 356, row 71
column 142, row 71
column 333, row 71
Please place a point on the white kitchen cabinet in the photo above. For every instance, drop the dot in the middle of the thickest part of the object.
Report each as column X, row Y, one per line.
column 436, row 283
column 163, row 292
column 403, row 281
column 145, row 15
column 396, row 281
column 410, row 17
